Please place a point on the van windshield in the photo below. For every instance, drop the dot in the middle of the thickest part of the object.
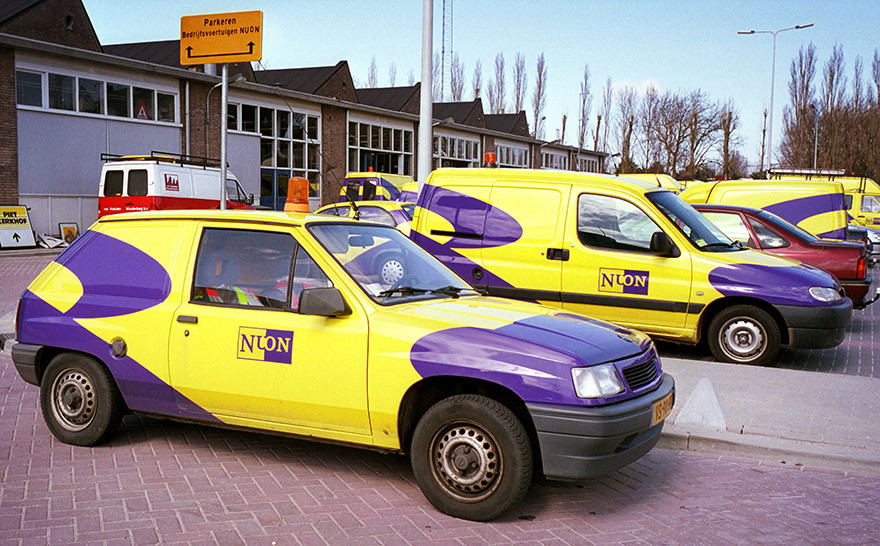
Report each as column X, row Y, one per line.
column 700, row 232
column 387, row 265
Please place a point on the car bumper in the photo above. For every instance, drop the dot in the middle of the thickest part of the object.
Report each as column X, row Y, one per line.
column 580, row 443
column 24, row 356
column 816, row 327
column 862, row 293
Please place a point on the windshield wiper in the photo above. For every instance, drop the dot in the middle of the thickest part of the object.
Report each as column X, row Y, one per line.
column 451, row 291
column 720, row 245
column 403, row 291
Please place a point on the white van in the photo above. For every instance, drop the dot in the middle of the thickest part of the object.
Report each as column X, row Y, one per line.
column 162, row 181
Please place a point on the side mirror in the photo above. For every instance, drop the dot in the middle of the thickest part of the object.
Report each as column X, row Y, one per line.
column 250, row 199
column 662, row 245
column 325, row 302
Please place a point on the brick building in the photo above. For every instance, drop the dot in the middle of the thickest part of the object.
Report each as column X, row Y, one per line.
column 65, row 99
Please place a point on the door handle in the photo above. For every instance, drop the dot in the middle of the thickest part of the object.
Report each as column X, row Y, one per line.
column 188, row 318
column 560, row 254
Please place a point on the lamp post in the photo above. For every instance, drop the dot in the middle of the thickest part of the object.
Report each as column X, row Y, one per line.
column 772, row 82
column 224, row 86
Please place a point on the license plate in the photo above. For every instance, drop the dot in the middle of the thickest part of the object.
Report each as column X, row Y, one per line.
column 662, row 408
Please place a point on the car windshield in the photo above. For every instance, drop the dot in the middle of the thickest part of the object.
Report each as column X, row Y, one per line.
column 783, row 225
column 702, row 233
column 389, row 267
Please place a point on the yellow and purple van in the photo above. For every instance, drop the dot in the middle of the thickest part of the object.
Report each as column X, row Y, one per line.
column 625, row 251
column 283, row 322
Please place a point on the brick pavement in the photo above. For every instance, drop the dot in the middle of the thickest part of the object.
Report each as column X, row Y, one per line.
column 165, row 482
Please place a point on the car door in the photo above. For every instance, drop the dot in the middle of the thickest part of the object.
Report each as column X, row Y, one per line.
column 611, row 273
column 240, row 352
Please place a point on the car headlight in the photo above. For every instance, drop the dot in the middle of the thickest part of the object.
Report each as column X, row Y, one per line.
column 596, row 381
column 822, row 293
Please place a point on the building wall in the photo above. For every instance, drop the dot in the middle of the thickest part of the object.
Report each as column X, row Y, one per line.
column 59, row 162
column 8, row 130
column 334, row 146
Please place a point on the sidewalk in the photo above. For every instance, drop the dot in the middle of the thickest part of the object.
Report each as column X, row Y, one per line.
column 802, row 418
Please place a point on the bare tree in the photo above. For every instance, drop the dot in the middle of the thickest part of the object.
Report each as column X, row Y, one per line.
column 456, row 78
column 392, row 74
column 607, row 103
column 729, row 124
column 647, row 128
column 520, row 84
column 671, row 131
column 627, row 104
column 586, row 104
column 478, row 79
column 435, row 78
column 797, row 119
column 833, row 111
column 702, row 131
column 372, row 73
column 539, row 96
column 497, row 93
column 411, row 79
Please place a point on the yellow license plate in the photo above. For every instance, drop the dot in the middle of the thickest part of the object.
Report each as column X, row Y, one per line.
column 662, row 408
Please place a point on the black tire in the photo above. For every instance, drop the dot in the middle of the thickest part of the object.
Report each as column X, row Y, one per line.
column 471, row 457
column 744, row 334
column 80, row 402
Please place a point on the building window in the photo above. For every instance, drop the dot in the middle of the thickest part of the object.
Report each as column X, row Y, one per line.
column 383, row 149
column 117, row 100
column 91, row 96
column 28, row 88
column 232, row 117
column 248, row 118
column 143, row 103
column 165, row 107
column 512, row 156
column 456, row 152
column 551, row 160
column 61, row 92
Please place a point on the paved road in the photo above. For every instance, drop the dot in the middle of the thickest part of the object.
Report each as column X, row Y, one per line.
column 165, row 482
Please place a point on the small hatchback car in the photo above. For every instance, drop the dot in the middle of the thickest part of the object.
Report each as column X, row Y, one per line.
column 282, row 322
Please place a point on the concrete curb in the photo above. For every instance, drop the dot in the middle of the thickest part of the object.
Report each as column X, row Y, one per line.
column 789, row 452
column 28, row 252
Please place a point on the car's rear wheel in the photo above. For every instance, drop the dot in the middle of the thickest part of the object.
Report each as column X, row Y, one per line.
column 79, row 399
column 744, row 334
column 471, row 457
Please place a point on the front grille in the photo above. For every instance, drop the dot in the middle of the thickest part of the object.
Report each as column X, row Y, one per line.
column 640, row 374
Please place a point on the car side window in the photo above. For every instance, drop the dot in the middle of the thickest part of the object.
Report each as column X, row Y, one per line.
column 870, row 203
column 767, row 237
column 377, row 214
column 341, row 210
column 732, row 225
column 306, row 274
column 240, row 267
column 609, row 222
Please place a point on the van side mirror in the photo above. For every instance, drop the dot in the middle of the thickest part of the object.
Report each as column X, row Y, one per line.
column 250, row 199
column 325, row 302
column 662, row 245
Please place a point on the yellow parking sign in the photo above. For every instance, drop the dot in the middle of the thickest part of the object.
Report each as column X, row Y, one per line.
column 221, row 38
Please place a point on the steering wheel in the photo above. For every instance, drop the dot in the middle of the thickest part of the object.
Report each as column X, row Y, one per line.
column 406, row 280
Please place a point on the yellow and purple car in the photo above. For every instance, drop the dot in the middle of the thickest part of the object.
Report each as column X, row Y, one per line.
column 629, row 252
column 268, row 321
column 397, row 214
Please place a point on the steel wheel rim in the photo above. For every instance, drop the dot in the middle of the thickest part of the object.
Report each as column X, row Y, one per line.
column 466, row 462
column 73, row 399
column 742, row 339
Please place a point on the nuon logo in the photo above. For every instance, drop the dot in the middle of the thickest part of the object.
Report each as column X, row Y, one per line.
column 265, row 345
column 623, row 281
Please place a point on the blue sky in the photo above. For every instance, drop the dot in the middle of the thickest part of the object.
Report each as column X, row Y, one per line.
column 674, row 45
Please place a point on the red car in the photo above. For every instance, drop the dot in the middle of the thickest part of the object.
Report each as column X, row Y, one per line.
column 761, row 230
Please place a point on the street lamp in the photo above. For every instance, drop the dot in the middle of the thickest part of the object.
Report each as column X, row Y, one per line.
column 772, row 81
column 238, row 78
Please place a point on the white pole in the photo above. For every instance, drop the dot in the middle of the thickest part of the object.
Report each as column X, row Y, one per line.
column 426, row 104
column 772, row 84
column 223, row 98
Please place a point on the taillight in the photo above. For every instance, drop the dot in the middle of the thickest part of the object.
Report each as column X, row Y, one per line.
column 15, row 324
column 861, row 268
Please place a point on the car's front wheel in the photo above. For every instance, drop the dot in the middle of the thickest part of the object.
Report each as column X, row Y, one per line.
column 79, row 399
column 471, row 457
column 744, row 334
